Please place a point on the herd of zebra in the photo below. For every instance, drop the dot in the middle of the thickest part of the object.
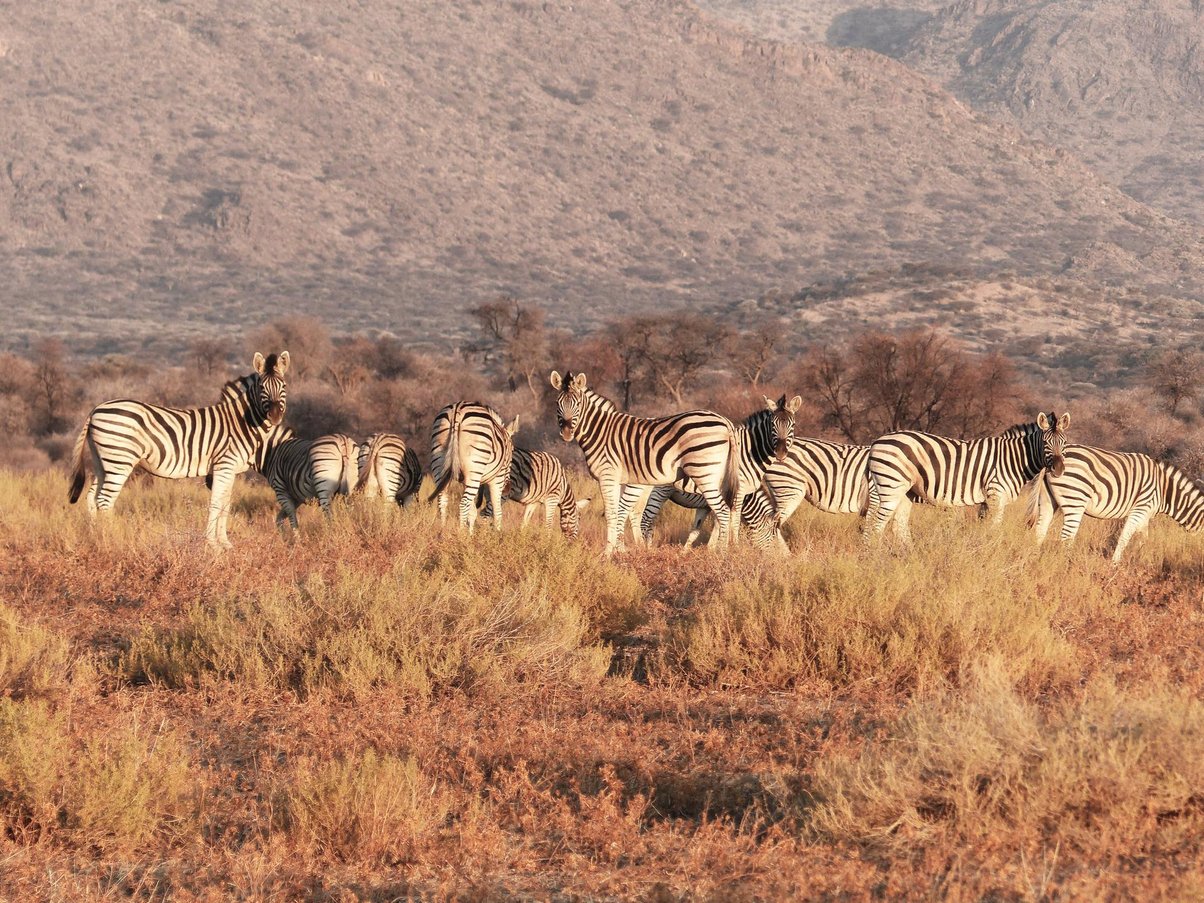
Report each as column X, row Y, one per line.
column 754, row 474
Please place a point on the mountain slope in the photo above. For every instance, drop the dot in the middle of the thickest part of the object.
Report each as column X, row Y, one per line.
column 171, row 169
column 1119, row 84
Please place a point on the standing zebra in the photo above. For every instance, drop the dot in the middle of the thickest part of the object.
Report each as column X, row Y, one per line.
column 538, row 479
column 766, row 436
column 389, row 469
column 303, row 469
column 831, row 476
column 470, row 443
column 1111, row 485
column 625, row 453
column 218, row 441
column 912, row 466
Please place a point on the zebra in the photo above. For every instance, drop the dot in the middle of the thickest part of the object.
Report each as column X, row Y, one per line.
column 831, row 476
column 625, row 453
column 913, row 466
column 766, row 436
column 469, row 442
column 538, row 479
column 1110, row 485
column 303, row 469
column 219, row 442
column 388, row 468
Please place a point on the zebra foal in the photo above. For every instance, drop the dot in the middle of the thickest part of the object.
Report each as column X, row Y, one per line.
column 302, row 469
column 765, row 436
column 1112, row 485
column 625, row 453
column 218, row 442
column 537, row 480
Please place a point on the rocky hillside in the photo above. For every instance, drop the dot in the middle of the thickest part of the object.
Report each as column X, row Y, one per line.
column 172, row 169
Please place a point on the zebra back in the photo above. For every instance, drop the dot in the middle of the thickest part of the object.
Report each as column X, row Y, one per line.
column 469, row 441
column 944, row 471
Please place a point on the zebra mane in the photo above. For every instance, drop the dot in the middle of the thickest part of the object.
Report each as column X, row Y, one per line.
column 1019, row 429
column 605, row 403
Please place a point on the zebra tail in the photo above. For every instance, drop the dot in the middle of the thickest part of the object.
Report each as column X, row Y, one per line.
column 1038, row 494
column 369, row 467
column 79, row 469
column 450, row 461
column 350, row 453
column 730, row 488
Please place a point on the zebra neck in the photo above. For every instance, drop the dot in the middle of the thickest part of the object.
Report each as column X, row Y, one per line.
column 757, row 438
column 596, row 414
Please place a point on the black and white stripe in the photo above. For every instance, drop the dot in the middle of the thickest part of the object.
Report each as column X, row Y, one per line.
column 829, row 475
column 538, row 480
column 908, row 467
column 219, row 442
column 470, row 443
column 388, row 469
column 1112, row 485
column 302, row 469
column 625, row 453
column 766, row 436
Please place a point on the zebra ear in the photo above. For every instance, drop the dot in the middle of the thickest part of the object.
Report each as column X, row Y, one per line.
column 1064, row 421
column 770, row 404
column 512, row 426
column 557, row 382
column 579, row 382
column 794, row 404
column 1042, row 421
column 259, row 363
column 282, row 363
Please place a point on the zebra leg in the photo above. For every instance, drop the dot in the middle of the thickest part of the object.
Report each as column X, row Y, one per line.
column 91, row 498
column 1071, row 519
column 1137, row 521
column 700, row 516
column 219, row 507
column 443, row 508
column 497, row 495
column 610, row 491
column 628, row 496
column 882, row 506
column 1045, row 518
column 723, row 518
column 652, row 509
column 549, row 512
column 903, row 521
column 528, row 513
column 111, row 482
column 468, row 506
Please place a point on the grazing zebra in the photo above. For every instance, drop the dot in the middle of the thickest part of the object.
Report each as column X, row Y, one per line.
column 765, row 436
column 537, row 479
column 303, row 469
column 913, row 466
column 625, row 453
column 218, row 441
column 831, row 476
column 389, row 469
column 1111, row 485
column 470, row 443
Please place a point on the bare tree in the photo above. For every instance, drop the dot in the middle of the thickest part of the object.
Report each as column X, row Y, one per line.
column 752, row 351
column 829, row 380
column 670, row 351
column 209, row 356
column 513, row 339
column 53, row 386
column 305, row 338
column 1175, row 377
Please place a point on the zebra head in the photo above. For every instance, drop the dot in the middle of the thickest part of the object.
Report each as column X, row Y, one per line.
column 783, row 412
column 1053, row 436
column 570, row 403
column 272, row 392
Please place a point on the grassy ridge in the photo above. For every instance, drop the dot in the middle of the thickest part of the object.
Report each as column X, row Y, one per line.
column 382, row 708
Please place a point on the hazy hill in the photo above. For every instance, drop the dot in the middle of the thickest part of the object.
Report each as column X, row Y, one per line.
column 1121, row 84
column 168, row 166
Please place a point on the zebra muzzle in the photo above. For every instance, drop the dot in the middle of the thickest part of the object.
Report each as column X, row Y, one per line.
column 1057, row 465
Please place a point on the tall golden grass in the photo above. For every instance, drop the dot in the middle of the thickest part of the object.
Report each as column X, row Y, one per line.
column 379, row 708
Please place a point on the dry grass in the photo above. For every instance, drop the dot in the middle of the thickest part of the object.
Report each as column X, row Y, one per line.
column 383, row 710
